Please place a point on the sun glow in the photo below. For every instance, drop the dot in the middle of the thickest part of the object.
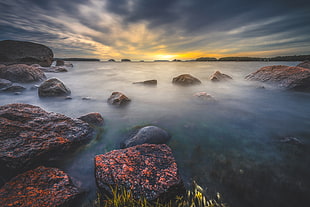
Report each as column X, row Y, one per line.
column 165, row 57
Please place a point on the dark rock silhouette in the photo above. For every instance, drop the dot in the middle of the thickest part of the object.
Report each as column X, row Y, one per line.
column 39, row 187
column 295, row 78
column 14, row 52
column 118, row 98
column 30, row 135
column 148, row 170
column 21, row 73
column 185, row 80
column 53, row 87
column 149, row 135
column 218, row 76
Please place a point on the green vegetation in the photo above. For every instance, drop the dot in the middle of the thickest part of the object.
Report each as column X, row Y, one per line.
column 206, row 59
column 196, row 197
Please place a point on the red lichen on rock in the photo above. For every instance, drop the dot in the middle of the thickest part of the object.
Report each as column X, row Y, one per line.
column 149, row 170
column 39, row 187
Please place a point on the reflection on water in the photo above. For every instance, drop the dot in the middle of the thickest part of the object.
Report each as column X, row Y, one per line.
column 235, row 145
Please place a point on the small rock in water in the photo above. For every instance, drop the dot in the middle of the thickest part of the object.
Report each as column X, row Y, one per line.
column 68, row 97
column 86, row 98
column 203, row 97
column 186, row 80
column 53, row 87
column 118, row 98
column 218, row 76
column 93, row 119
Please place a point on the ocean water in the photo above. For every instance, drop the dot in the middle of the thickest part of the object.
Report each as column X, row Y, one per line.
column 235, row 146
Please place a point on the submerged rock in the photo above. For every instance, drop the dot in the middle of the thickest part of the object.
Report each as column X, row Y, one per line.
column 14, row 88
column 4, row 83
column 305, row 64
column 53, row 87
column 149, row 135
column 29, row 135
column 185, row 80
column 218, row 76
column 204, row 97
column 54, row 69
column 148, row 170
column 147, row 82
column 39, row 187
column 295, row 78
column 60, row 62
column 93, row 119
column 21, row 73
column 118, row 98
column 16, row 52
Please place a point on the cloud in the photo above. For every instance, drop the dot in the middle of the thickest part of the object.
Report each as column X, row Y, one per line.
column 142, row 29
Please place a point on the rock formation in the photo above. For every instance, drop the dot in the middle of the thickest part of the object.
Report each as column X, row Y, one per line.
column 21, row 73
column 218, row 76
column 185, row 80
column 53, row 87
column 93, row 119
column 118, row 98
column 14, row 52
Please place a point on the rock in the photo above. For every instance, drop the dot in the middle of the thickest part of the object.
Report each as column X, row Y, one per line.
column 87, row 98
column 53, row 87
column 305, row 64
column 21, row 73
column 295, row 78
column 60, row 62
column 118, row 98
column 29, row 135
column 218, row 76
column 93, row 119
column 149, row 135
column 39, row 187
column 203, row 97
column 2, row 65
column 185, row 79
column 68, row 64
column 15, row 52
column 147, row 82
column 111, row 60
column 291, row 140
column 148, row 170
column 54, row 69
column 14, row 88
column 5, row 83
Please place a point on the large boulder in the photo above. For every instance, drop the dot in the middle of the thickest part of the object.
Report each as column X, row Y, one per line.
column 118, row 98
column 305, row 64
column 148, row 134
column 39, row 187
column 295, row 78
column 22, row 73
column 53, row 87
column 29, row 135
column 93, row 118
column 148, row 170
column 185, row 80
column 13, row 52
column 218, row 76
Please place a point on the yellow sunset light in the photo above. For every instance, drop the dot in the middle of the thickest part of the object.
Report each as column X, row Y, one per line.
column 164, row 57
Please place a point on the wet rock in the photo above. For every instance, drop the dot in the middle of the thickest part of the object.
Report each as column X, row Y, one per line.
column 16, row 52
column 60, row 62
column 204, row 97
column 4, row 83
column 218, row 76
column 147, row 82
column 294, row 78
column 53, row 87
column 185, row 80
column 39, row 187
column 305, row 64
column 149, row 170
column 54, row 69
column 14, row 88
column 149, row 135
column 118, row 98
column 21, row 73
column 29, row 135
column 93, row 119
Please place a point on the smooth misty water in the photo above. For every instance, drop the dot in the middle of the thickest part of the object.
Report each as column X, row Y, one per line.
column 232, row 146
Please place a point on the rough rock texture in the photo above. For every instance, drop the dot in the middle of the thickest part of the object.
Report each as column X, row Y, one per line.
column 218, row 76
column 13, row 52
column 147, row 82
column 14, row 88
column 305, row 64
column 39, row 187
column 21, row 73
column 93, row 119
column 118, row 98
column 53, row 69
column 4, row 83
column 29, row 135
column 185, row 79
column 60, row 62
column 295, row 78
column 148, row 170
column 148, row 134
column 53, row 87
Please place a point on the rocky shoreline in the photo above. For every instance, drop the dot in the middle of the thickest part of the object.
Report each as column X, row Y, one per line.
column 31, row 136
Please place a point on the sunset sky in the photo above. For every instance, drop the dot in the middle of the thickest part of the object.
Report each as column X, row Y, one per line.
column 160, row 29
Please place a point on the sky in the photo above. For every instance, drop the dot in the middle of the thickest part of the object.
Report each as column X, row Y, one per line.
column 160, row 29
